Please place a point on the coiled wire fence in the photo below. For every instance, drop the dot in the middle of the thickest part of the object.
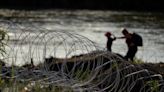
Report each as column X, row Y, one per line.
column 42, row 60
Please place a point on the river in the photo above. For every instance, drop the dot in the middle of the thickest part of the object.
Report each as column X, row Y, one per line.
column 94, row 24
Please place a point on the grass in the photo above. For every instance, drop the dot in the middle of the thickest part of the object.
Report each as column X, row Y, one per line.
column 10, row 86
column 153, row 85
column 82, row 75
column 138, row 61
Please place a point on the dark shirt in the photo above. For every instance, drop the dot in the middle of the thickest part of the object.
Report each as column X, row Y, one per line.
column 131, row 41
column 109, row 43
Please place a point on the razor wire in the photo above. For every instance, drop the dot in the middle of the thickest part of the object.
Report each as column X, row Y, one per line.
column 66, row 61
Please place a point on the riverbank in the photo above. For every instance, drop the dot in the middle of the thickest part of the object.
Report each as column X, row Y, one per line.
column 92, row 71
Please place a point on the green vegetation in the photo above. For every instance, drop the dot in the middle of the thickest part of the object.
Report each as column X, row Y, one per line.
column 82, row 75
column 154, row 85
column 4, row 37
column 138, row 61
column 3, row 42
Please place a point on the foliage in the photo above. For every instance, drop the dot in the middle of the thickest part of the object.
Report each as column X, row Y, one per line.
column 154, row 85
column 82, row 74
column 4, row 37
column 138, row 61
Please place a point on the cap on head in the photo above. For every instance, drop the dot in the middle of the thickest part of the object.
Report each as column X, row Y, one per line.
column 107, row 34
column 125, row 31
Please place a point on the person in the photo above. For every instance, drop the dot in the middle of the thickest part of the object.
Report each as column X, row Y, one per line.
column 133, row 40
column 109, row 40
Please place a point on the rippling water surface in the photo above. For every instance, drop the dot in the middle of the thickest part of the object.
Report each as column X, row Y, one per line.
column 93, row 25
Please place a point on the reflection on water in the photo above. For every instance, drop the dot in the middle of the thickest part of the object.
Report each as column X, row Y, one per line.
column 93, row 24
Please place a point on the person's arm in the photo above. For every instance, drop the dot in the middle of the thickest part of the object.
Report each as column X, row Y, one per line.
column 114, row 37
column 123, row 37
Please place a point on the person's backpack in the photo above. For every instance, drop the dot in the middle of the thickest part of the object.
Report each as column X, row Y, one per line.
column 137, row 39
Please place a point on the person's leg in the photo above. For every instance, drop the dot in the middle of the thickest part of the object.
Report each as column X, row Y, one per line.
column 131, row 53
column 109, row 48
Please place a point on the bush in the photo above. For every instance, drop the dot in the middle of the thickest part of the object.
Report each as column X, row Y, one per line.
column 4, row 37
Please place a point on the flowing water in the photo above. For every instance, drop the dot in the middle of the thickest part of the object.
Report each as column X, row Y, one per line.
column 93, row 25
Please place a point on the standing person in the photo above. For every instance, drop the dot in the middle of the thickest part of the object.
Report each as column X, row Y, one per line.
column 133, row 40
column 109, row 40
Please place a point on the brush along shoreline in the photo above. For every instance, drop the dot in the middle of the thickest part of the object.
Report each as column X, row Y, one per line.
column 94, row 71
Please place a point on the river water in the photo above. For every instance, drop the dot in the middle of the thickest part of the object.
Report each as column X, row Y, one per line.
column 93, row 25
